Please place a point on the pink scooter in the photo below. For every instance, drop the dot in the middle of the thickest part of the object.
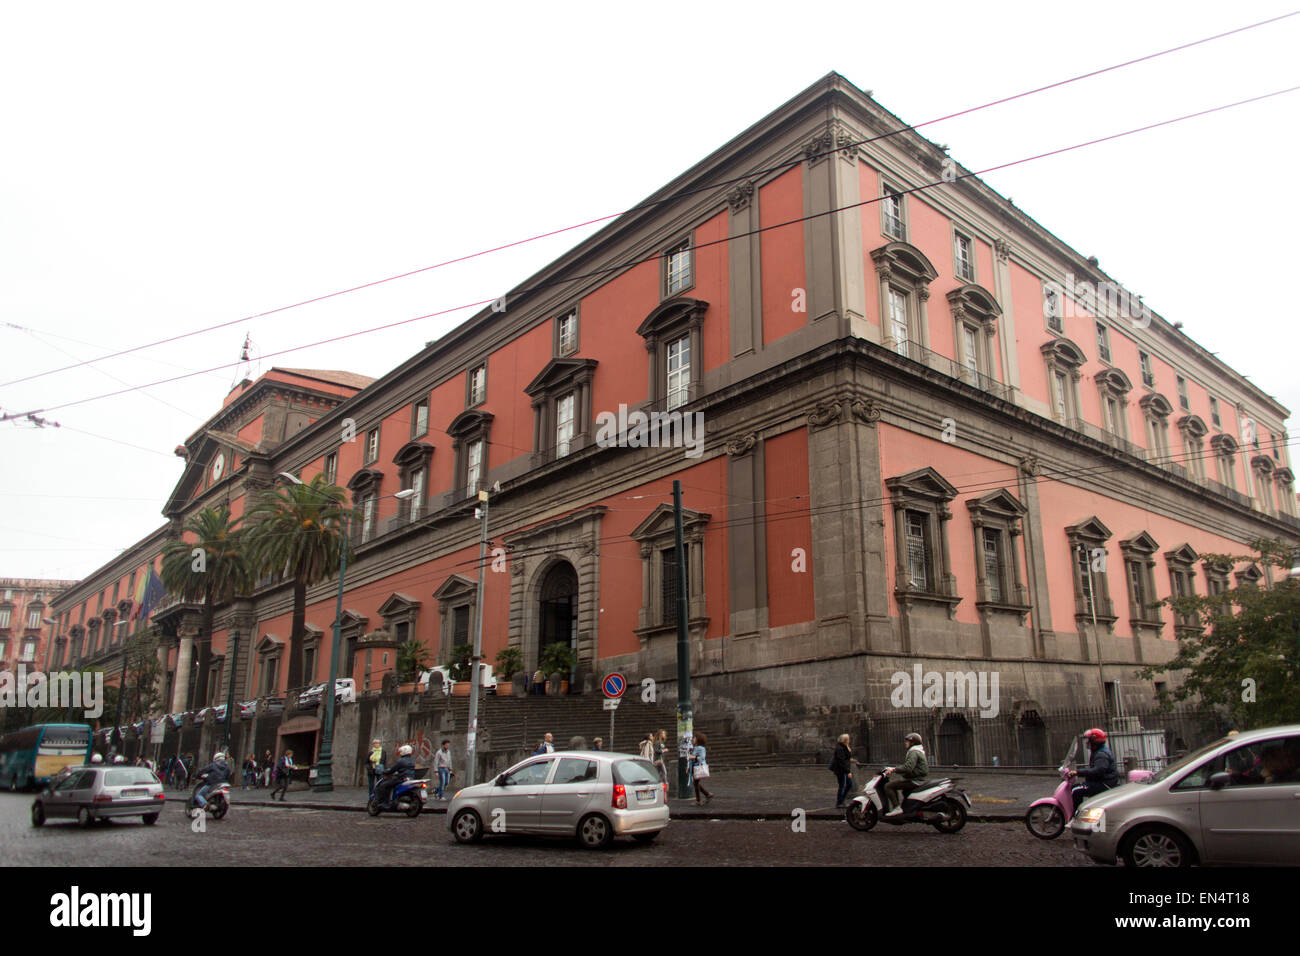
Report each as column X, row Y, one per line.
column 1047, row 817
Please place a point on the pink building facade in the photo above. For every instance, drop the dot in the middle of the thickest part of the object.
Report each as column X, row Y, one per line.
column 932, row 433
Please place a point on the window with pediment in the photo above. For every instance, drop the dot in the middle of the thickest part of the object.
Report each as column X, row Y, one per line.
column 1249, row 576
column 1225, row 459
column 975, row 314
column 412, row 463
column 923, row 566
column 561, row 399
column 1284, row 479
column 1139, row 575
column 1261, row 467
column 672, row 335
column 1193, row 431
column 469, row 443
column 1155, row 412
column 904, row 275
column 269, row 651
column 457, row 601
column 1216, row 576
column 1113, row 387
column 996, row 519
column 1088, row 559
column 364, row 486
column 659, row 572
column 1182, row 584
column 1064, row 360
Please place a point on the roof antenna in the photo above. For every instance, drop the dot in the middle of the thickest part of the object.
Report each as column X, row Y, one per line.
column 248, row 368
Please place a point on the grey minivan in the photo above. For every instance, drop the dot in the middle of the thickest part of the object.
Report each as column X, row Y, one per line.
column 591, row 795
column 1235, row 801
column 98, row 793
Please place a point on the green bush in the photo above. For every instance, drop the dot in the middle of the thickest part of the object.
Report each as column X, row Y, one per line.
column 558, row 658
column 509, row 660
column 458, row 662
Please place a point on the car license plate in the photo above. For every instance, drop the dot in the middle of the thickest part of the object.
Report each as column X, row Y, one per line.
column 424, row 795
column 135, row 793
column 645, row 796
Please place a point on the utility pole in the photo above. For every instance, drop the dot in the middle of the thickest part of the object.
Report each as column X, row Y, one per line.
column 685, row 713
column 230, row 694
column 475, row 678
column 325, row 760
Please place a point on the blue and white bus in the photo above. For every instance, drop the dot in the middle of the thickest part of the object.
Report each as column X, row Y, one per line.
column 31, row 756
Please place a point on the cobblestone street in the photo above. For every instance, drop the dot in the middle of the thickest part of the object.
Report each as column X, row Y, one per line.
column 261, row 836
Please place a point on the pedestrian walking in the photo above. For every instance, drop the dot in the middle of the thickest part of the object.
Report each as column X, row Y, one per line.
column 375, row 762
column 442, row 764
column 268, row 768
column 647, row 747
column 250, row 771
column 700, row 769
column 661, row 747
column 547, row 746
column 842, row 766
column 539, row 682
column 597, row 743
column 284, row 769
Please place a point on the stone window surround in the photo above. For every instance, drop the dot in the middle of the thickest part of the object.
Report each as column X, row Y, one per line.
column 975, row 307
column 905, row 269
column 576, row 312
column 1181, row 561
column 412, row 457
column 1261, row 467
column 1062, row 355
column 888, row 189
column 367, row 457
column 311, row 641
column 560, row 377
column 654, row 535
column 455, row 592
column 364, row 485
column 963, row 233
column 688, row 239
column 1250, row 575
column 673, row 318
column 466, row 428
column 1193, row 431
column 1215, row 574
column 1140, row 551
column 1225, row 453
column 269, row 649
column 1156, row 411
column 1114, row 384
column 1002, row 512
column 397, row 609
column 1090, row 535
column 1284, row 479
column 423, row 400
column 469, row 385
column 924, row 491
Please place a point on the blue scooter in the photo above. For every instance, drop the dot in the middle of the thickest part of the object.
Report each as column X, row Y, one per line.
column 407, row 797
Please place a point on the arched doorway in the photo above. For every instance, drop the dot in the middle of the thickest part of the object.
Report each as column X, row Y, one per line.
column 955, row 742
column 1033, row 740
column 558, row 607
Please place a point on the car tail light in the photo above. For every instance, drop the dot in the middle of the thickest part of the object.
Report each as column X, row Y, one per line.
column 160, row 796
column 102, row 798
column 620, row 797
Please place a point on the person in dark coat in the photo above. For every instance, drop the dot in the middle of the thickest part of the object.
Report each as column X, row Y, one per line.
column 1101, row 773
column 842, row 767
column 402, row 769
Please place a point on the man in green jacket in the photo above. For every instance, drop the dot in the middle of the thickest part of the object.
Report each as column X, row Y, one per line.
column 913, row 771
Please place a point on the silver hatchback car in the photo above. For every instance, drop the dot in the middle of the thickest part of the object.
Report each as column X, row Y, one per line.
column 1236, row 801
column 591, row 795
column 99, row 793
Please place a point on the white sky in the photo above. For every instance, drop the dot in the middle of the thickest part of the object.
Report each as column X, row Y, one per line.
column 164, row 167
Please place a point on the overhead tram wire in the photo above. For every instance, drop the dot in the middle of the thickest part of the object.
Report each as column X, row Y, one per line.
column 654, row 257
column 649, row 204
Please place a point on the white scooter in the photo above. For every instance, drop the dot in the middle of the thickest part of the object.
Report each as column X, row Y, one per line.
column 940, row 803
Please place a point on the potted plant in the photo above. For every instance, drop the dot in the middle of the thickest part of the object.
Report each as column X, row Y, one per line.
column 412, row 660
column 458, row 669
column 508, row 660
column 556, row 661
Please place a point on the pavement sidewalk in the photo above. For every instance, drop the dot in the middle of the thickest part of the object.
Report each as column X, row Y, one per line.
column 757, row 794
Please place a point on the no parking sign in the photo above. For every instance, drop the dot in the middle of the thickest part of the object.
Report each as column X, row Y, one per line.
column 613, row 685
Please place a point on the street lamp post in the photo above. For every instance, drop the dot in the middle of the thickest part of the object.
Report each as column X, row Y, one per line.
column 116, row 737
column 471, row 737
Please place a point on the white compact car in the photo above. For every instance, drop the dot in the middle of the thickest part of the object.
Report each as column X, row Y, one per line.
column 589, row 795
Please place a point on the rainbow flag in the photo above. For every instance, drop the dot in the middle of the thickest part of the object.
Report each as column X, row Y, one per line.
column 148, row 593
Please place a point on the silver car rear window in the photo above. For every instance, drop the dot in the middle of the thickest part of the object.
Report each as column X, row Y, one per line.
column 128, row 777
column 635, row 772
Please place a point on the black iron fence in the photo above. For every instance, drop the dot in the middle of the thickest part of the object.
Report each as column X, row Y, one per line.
column 1041, row 740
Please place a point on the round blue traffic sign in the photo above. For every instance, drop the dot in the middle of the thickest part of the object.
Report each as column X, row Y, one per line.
column 614, row 684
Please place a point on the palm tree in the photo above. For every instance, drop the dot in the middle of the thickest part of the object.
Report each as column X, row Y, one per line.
column 212, row 567
column 297, row 530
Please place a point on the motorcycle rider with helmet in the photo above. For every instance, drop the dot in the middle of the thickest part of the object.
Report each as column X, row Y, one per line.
column 402, row 769
column 218, row 772
column 915, row 768
column 1101, row 773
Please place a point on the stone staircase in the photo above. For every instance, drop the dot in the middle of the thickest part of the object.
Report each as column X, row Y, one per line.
column 520, row 722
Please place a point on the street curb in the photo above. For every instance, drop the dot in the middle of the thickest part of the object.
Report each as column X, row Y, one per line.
column 751, row 815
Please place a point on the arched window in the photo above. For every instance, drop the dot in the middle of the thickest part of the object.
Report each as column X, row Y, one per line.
column 1156, row 411
column 469, row 442
column 975, row 315
column 904, row 274
column 1194, row 432
column 1113, row 387
column 1064, row 359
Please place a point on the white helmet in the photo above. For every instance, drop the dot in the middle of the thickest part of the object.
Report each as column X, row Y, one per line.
column 219, row 755
column 119, row 759
column 96, row 758
column 404, row 750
